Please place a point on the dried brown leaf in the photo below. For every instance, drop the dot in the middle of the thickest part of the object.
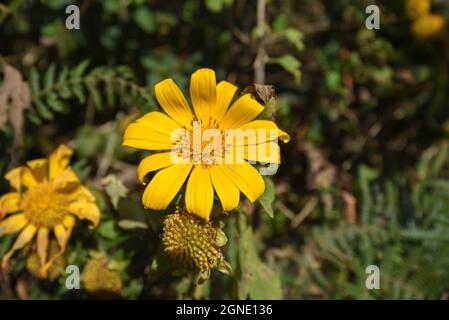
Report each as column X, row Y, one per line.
column 262, row 93
column 15, row 98
column 321, row 173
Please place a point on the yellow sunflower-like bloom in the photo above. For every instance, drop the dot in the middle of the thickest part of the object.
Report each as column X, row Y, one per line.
column 212, row 110
column 417, row 8
column 429, row 26
column 48, row 196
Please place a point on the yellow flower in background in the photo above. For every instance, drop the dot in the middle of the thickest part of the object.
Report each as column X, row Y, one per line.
column 48, row 196
column 429, row 26
column 212, row 109
column 417, row 8
column 100, row 279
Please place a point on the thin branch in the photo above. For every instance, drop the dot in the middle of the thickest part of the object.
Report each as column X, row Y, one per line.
column 261, row 56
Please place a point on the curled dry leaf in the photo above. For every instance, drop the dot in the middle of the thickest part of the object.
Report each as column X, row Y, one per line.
column 321, row 173
column 351, row 206
column 262, row 93
column 15, row 98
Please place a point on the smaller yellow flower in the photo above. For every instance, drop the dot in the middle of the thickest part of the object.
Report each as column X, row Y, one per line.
column 429, row 26
column 100, row 279
column 48, row 196
column 417, row 8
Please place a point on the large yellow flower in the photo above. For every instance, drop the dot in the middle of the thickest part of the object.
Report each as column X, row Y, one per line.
column 212, row 110
column 48, row 196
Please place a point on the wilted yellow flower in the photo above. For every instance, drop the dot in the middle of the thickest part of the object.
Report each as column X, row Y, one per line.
column 191, row 242
column 33, row 263
column 429, row 26
column 100, row 279
column 48, row 196
column 207, row 160
column 417, row 8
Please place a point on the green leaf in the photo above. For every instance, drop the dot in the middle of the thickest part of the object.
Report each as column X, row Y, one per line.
column 34, row 79
column 266, row 284
column 55, row 103
column 110, row 93
column 96, row 96
column 255, row 278
column 222, row 239
column 280, row 23
column 65, row 92
column 115, row 189
column 43, row 109
column 144, row 18
column 78, row 91
column 62, row 77
column 78, row 71
column 107, row 230
column 290, row 64
column 295, row 37
column 224, row 267
column 217, row 5
column 89, row 141
column 267, row 198
column 132, row 224
column 49, row 77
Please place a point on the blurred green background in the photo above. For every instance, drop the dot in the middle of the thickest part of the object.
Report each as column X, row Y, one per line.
column 364, row 179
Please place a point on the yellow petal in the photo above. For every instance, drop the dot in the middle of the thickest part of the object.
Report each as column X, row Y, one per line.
column 42, row 244
column 242, row 111
column 27, row 178
column 225, row 93
column 59, row 160
column 86, row 210
column 159, row 122
column 69, row 222
column 153, row 163
column 23, row 239
column 199, row 193
column 39, row 169
column 228, row 193
column 264, row 130
column 63, row 233
column 13, row 224
column 81, row 193
column 203, row 93
column 14, row 178
column 173, row 102
column 245, row 177
column 9, row 203
column 141, row 136
column 164, row 186
column 265, row 152
column 66, row 181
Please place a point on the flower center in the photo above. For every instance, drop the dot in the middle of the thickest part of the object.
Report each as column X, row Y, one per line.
column 44, row 206
column 190, row 241
column 203, row 145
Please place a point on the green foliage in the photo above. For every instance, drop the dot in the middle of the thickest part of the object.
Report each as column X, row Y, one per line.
column 255, row 279
column 115, row 189
column 104, row 86
column 266, row 200
column 372, row 190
